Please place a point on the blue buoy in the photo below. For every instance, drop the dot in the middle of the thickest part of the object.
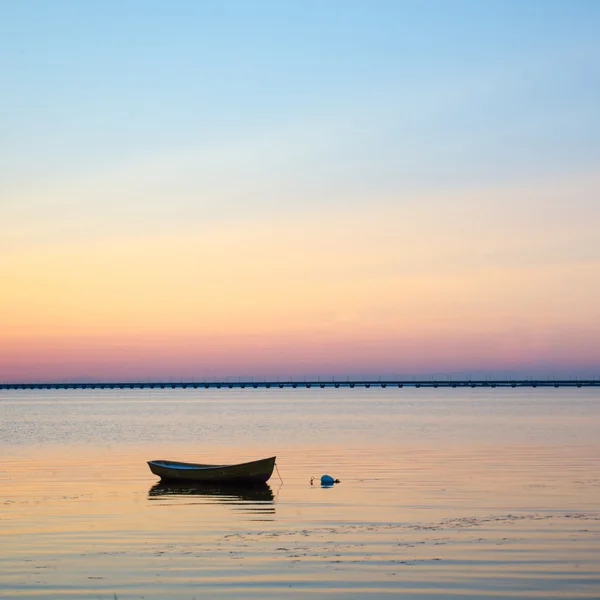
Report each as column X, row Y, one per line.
column 328, row 480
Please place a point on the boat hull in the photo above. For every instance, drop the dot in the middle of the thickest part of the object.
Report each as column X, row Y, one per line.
column 258, row 471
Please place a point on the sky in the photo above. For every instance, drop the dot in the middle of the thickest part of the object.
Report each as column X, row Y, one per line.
column 206, row 190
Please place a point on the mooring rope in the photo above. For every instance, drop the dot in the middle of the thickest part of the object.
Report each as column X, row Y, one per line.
column 278, row 473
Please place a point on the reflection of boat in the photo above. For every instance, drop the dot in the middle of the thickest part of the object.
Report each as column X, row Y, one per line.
column 259, row 492
column 258, row 471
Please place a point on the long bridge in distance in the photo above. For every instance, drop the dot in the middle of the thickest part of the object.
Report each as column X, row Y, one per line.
column 314, row 383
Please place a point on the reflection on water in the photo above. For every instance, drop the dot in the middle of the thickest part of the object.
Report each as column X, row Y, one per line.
column 442, row 495
column 257, row 498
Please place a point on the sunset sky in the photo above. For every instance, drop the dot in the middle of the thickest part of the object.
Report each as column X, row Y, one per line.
column 223, row 189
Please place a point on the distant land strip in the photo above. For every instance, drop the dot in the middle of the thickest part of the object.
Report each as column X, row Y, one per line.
column 318, row 383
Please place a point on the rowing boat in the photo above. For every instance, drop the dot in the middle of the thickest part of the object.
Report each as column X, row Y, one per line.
column 257, row 471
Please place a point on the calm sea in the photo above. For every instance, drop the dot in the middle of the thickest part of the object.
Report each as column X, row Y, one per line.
column 443, row 494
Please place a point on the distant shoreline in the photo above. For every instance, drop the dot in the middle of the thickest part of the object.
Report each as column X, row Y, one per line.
column 367, row 383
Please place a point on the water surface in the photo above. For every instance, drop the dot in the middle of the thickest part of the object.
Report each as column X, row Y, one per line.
column 443, row 494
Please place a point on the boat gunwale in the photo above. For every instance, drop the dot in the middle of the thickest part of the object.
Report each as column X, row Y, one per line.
column 185, row 466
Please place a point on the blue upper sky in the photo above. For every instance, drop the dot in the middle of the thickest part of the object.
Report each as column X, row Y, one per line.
column 395, row 91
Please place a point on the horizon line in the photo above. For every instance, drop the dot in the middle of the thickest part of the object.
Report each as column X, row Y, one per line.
column 309, row 383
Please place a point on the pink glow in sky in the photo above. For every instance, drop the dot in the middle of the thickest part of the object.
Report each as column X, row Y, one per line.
column 341, row 296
